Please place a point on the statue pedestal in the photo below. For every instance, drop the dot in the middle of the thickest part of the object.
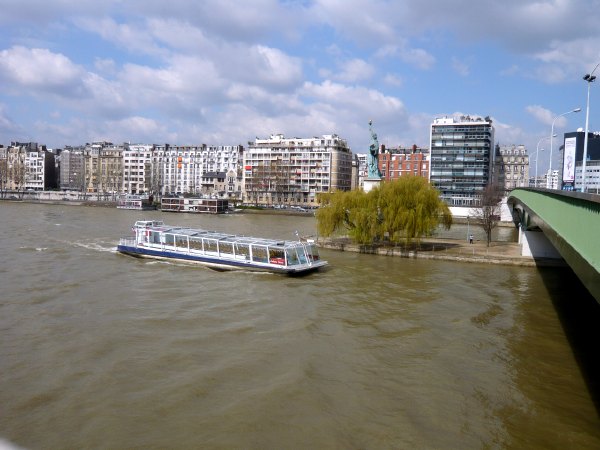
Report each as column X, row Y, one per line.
column 370, row 183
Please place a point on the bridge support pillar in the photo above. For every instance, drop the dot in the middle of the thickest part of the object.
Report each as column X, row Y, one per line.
column 535, row 244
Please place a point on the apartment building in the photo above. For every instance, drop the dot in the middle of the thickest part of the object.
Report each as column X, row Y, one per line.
column 138, row 173
column 185, row 166
column 461, row 158
column 27, row 167
column 110, row 170
column 400, row 161
column 293, row 171
column 71, row 168
column 360, row 170
column 511, row 167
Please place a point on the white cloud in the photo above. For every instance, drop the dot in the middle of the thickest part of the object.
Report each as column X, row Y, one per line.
column 540, row 113
column 137, row 129
column 546, row 116
column 414, row 56
column 7, row 126
column 105, row 65
column 40, row 11
column 131, row 36
column 367, row 100
column 275, row 67
column 507, row 134
column 353, row 70
column 567, row 59
column 360, row 20
column 40, row 70
column 178, row 35
column 392, row 80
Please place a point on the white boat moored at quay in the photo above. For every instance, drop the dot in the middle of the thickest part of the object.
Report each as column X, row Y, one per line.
column 132, row 201
column 154, row 239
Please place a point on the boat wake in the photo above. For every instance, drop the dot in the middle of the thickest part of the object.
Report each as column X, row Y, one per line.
column 99, row 247
column 34, row 249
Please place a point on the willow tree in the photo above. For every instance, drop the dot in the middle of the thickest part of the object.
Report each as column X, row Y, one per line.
column 349, row 213
column 403, row 210
column 411, row 208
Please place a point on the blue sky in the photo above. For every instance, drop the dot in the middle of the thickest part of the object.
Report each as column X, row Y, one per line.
column 223, row 72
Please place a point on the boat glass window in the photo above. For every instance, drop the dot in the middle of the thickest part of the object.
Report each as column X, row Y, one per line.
column 312, row 252
column 242, row 250
column 301, row 254
column 276, row 256
column 169, row 239
column 259, row 254
column 196, row 243
column 210, row 245
column 292, row 256
column 226, row 247
column 181, row 241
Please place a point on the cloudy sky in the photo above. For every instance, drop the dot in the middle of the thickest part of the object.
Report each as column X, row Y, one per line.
column 224, row 71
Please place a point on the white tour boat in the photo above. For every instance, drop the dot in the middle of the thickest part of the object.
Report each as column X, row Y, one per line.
column 154, row 239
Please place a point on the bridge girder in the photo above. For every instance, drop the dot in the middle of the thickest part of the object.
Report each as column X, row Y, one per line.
column 569, row 220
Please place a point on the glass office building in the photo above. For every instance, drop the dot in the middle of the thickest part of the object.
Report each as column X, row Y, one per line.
column 461, row 158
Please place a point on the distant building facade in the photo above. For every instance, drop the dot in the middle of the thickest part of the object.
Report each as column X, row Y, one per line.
column 138, row 174
column 294, row 171
column 397, row 162
column 461, row 151
column 185, row 166
column 552, row 179
column 110, row 171
column 511, row 167
column 27, row 167
column 71, row 172
column 361, row 169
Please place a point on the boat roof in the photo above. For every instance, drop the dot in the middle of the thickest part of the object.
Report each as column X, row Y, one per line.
column 222, row 237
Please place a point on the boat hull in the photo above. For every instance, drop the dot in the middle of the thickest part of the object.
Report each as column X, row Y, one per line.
column 218, row 263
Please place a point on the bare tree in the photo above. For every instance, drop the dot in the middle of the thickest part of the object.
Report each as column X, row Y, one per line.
column 18, row 173
column 487, row 212
column 255, row 183
column 156, row 182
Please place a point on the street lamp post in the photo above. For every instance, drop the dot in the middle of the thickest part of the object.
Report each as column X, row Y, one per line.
column 552, row 134
column 589, row 78
column 537, row 151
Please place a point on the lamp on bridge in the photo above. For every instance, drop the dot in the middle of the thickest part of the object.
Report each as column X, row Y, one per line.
column 536, row 156
column 552, row 134
column 589, row 78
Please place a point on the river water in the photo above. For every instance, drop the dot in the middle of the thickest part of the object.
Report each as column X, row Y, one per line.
column 100, row 350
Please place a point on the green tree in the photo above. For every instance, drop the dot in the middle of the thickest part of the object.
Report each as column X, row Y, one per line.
column 402, row 210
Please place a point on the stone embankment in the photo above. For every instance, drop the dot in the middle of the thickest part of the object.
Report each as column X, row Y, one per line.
column 507, row 253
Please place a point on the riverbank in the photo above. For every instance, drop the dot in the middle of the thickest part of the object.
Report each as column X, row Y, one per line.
column 506, row 253
column 113, row 204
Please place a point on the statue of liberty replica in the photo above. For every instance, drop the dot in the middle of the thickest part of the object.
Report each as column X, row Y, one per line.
column 373, row 174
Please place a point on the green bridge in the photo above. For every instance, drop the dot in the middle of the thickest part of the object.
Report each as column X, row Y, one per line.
column 560, row 224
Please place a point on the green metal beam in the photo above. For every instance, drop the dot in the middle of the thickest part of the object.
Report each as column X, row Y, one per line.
column 571, row 221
